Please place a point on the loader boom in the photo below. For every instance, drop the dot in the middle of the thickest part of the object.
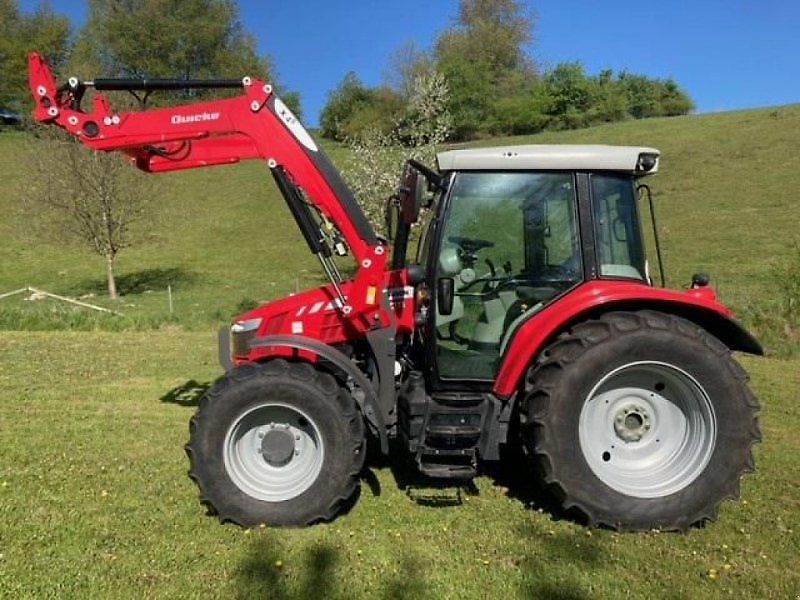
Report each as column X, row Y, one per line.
column 253, row 125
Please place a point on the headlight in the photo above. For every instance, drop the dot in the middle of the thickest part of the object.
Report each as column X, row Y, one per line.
column 242, row 333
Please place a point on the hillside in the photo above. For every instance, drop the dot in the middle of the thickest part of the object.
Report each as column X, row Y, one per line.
column 725, row 197
column 102, row 506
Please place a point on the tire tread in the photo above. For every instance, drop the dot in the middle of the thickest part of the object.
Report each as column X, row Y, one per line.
column 543, row 377
column 271, row 371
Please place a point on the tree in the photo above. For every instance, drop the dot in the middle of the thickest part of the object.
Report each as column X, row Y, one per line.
column 43, row 31
column 190, row 39
column 377, row 157
column 353, row 109
column 484, row 60
column 407, row 63
column 493, row 85
column 653, row 97
column 170, row 38
column 492, row 33
column 95, row 199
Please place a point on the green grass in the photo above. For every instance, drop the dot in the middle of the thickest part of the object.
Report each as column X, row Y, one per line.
column 726, row 199
column 94, row 498
column 95, row 502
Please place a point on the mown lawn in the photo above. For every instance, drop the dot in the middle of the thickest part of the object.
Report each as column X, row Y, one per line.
column 726, row 197
column 95, row 502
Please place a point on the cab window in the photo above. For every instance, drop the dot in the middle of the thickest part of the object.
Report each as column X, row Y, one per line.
column 618, row 239
column 510, row 245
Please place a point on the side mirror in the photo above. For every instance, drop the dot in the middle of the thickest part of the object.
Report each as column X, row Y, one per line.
column 413, row 187
column 445, row 296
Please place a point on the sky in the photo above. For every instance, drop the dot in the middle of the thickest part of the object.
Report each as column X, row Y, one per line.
column 727, row 54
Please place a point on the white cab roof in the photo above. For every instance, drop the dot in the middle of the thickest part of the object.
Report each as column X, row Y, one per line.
column 549, row 158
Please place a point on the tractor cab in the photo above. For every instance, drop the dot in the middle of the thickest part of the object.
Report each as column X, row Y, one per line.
column 513, row 230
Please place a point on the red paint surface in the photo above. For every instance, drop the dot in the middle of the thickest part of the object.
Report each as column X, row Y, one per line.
column 242, row 132
column 242, row 128
column 529, row 340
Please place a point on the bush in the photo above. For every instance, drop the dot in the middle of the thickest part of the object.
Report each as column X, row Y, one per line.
column 377, row 156
column 564, row 97
column 776, row 318
column 353, row 109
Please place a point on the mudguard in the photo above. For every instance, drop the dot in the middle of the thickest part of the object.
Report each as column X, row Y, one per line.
column 594, row 298
column 370, row 406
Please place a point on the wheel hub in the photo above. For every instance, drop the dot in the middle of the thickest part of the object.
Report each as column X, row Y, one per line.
column 647, row 429
column 273, row 452
column 277, row 447
column 631, row 422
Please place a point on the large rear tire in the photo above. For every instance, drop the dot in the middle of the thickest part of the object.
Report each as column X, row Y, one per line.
column 640, row 420
column 277, row 443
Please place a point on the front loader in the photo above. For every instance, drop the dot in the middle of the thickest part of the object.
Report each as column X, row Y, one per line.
column 524, row 314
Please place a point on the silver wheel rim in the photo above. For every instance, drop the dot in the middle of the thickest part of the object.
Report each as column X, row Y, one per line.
column 273, row 452
column 647, row 429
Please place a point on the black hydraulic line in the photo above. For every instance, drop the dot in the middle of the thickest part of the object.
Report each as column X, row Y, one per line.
column 301, row 213
column 309, row 228
column 655, row 231
column 400, row 246
column 152, row 85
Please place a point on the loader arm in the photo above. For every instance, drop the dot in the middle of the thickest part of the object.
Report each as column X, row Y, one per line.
column 253, row 125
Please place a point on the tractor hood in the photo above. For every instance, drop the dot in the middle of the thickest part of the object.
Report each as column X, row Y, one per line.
column 634, row 160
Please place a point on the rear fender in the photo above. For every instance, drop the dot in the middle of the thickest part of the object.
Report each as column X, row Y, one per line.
column 595, row 298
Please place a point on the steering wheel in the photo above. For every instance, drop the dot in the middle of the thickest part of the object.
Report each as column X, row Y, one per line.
column 470, row 245
column 468, row 248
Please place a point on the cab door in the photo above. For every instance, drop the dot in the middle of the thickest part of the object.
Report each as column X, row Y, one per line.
column 508, row 244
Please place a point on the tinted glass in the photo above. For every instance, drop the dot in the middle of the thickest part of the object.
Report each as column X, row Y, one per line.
column 510, row 243
column 617, row 234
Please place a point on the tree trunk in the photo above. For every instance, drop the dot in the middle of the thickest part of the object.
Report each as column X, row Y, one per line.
column 112, row 283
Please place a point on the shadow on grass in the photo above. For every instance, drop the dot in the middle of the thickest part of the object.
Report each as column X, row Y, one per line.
column 186, row 394
column 266, row 572
column 544, row 575
column 421, row 489
column 515, row 474
column 141, row 281
column 262, row 573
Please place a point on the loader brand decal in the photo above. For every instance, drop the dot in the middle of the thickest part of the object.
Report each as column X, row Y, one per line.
column 294, row 125
column 198, row 118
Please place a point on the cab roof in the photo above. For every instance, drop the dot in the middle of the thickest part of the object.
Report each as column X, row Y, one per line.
column 593, row 157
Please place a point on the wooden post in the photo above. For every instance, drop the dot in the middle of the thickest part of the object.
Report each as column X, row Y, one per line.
column 57, row 297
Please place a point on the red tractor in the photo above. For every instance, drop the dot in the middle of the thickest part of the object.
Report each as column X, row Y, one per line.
column 525, row 313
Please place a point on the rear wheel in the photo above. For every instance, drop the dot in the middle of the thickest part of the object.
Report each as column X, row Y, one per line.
column 640, row 420
column 279, row 443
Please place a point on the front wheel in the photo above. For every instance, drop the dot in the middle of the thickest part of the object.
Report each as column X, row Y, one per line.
column 640, row 420
column 279, row 443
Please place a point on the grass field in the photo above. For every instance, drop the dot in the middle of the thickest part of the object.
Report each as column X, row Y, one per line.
column 726, row 199
column 95, row 502
column 94, row 497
